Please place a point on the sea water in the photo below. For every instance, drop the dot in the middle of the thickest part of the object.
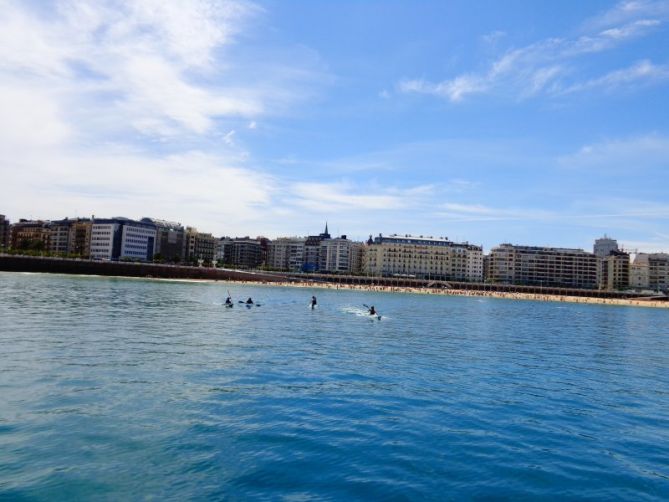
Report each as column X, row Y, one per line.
column 125, row 389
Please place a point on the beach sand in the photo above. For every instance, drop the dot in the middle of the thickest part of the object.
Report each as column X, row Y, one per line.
column 478, row 294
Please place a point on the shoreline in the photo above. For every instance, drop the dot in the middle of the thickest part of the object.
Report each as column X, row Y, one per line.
column 477, row 294
column 620, row 302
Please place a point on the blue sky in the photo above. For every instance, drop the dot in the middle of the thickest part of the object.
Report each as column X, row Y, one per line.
column 528, row 122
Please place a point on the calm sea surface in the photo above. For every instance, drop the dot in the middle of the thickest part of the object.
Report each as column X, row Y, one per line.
column 122, row 389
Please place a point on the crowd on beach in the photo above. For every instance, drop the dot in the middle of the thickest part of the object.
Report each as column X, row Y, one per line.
column 478, row 294
column 630, row 302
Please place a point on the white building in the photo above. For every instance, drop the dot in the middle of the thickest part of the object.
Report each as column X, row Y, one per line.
column 116, row 238
column 339, row 255
column 286, row 254
column 423, row 257
column 102, row 240
column 650, row 271
column 138, row 241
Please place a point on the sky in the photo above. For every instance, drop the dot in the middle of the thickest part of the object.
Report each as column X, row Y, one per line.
column 531, row 122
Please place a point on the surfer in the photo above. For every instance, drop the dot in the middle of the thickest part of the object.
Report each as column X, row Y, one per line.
column 313, row 302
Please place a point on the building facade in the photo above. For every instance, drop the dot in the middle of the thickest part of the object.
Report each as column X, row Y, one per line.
column 604, row 246
column 200, row 246
column 122, row 238
column 614, row 271
column 312, row 250
column 286, row 254
column 79, row 242
column 170, row 239
column 4, row 232
column 29, row 235
column 423, row 257
column 246, row 253
column 650, row 271
column 340, row 255
column 59, row 236
column 543, row 266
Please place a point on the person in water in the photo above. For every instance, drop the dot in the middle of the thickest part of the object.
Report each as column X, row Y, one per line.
column 228, row 301
column 372, row 310
column 313, row 302
column 249, row 301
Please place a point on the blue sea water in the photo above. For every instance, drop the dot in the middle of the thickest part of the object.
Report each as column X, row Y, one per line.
column 127, row 389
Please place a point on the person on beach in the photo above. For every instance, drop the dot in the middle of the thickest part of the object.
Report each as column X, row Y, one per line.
column 249, row 301
column 313, row 302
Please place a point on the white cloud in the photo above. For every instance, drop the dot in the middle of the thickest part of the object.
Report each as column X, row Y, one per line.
column 643, row 152
column 628, row 11
column 456, row 211
column 344, row 196
column 643, row 72
column 30, row 118
column 164, row 68
column 546, row 66
column 454, row 89
column 82, row 82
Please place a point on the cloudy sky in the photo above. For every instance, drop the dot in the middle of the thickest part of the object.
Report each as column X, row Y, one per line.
column 533, row 122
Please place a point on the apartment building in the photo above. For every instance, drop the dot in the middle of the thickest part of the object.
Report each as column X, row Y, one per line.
column 650, row 271
column 246, row 253
column 340, row 255
column 424, row 257
column 122, row 238
column 170, row 239
column 614, row 271
column 29, row 234
column 542, row 266
column 200, row 246
column 286, row 254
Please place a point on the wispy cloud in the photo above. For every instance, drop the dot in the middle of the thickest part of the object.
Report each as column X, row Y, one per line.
column 345, row 196
column 643, row 72
column 455, row 211
column 552, row 66
column 162, row 68
column 640, row 153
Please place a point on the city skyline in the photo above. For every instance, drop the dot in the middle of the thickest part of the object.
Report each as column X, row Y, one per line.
column 524, row 123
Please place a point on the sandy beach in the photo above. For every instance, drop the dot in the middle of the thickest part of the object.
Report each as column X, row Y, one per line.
column 478, row 294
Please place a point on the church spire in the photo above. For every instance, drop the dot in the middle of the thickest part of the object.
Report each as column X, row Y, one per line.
column 326, row 227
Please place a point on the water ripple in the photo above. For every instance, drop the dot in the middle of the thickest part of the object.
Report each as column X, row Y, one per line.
column 125, row 389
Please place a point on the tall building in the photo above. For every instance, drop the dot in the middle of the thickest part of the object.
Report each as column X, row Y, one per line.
column 122, row 238
column 650, row 271
column 170, row 239
column 4, row 232
column 542, row 266
column 286, row 254
column 224, row 254
column 604, row 246
column 200, row 246
column 312, row 250
column 79, row 242
column 59, row 236
column 246, row 253
column 614, row 271
column 340, row 255
column 424, row 257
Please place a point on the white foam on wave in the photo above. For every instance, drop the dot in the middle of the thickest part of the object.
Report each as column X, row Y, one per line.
column 360, row 312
